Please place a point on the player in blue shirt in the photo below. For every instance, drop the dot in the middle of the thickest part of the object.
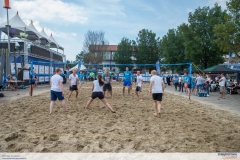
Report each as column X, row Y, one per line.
column 81, row 78
column 32, row 80
column 188, row 81
column 127, row 80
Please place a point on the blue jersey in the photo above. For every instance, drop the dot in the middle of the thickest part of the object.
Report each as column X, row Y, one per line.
column 187, row 79
column 193, row 80
column 127, row 75
column 175, row 79
column 32, row 78
column 81, row 76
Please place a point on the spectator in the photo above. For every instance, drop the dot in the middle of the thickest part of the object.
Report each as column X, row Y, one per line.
column 175, row 81
column 222, row 83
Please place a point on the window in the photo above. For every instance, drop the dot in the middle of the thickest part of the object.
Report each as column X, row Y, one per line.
column 106, row 56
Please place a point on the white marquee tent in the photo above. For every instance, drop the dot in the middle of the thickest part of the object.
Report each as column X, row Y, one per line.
column 18, row 26
column 81, row 68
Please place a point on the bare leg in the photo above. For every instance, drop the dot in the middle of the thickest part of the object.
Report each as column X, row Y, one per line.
column 137, row 94
column 140, row 96
column 64, row 105
column 223, row 93
column 129, row 88
column 111, row 94
column 51, row 106
column 108, row 105
column 104, row 92
column 159, row 108
column 123, row 91
column 69, row 95
column 76, row 93
column 89, row 102
column 155, row 107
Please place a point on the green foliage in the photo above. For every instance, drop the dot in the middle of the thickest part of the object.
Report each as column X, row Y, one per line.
column 68, row 66
column 228, row 33
column 146, row 47
column 124, row 52
column 200, row 45
column 172, row 48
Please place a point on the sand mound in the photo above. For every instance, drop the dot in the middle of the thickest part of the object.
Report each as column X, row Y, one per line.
column 185, row 126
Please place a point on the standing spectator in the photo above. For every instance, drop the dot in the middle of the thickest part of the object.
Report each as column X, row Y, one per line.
column 36, row 79
column 222, row 83
column 199, row 84
column 32, row 80
column 175, row 81
column 193, row 84
column 180, row 83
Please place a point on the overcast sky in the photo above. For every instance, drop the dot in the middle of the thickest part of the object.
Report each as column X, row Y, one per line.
column 69, row 20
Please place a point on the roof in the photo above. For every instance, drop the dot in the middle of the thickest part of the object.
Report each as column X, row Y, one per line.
column 104, row 47
column 112, row 47
column 218, row 69
column 18, row 26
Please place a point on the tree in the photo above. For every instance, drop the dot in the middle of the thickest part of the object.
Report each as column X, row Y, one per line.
column 68, row 65
column 200, row 45
column 146, row 47
column 228, row 33
column 172, row 47
column 80, row 56
column 124, row 52
column 95, row 45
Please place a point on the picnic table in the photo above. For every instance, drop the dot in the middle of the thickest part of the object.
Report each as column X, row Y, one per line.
column 14, row 81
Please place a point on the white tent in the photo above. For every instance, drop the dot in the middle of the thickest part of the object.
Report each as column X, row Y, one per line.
column 81, row 68
column 17, row 26
column 55, row 44
column 32, row 27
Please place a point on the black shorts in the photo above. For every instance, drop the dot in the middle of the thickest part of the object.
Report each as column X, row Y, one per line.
column 73, row 88
column 56, row 95
column 157, row 96
column 138, row 89
column 31, row 83
column 107, row 87
column 189, row 86
column 97, row 95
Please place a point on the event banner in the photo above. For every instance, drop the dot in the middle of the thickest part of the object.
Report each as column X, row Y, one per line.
column 41, row 79
column 120, row 156
column 41, row 69
column 35, row 68
column 46, row 69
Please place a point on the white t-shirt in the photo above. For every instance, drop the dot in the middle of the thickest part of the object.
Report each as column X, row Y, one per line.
column 139, row 80
column 222, row 83
column 157, row 84
column 97, row 87
column 73, row 79
column 55, row 83
column 180, row 79
column 199, row 80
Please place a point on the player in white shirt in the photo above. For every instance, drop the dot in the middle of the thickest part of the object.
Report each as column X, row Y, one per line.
column 222, row 82
column 139, row 84
column 73, row 83
column 57, row 91
column 157, row 90
column 97, row 89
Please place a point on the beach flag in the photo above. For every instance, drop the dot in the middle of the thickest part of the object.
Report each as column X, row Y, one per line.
column 158, row 68
column 79, row 65
column 230, row 54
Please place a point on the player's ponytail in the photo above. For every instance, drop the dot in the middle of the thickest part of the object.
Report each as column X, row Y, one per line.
column 100, row 80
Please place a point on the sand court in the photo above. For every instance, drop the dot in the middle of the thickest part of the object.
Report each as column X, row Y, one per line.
column 185, row 126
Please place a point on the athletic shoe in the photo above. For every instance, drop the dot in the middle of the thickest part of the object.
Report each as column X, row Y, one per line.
column 207, row 95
